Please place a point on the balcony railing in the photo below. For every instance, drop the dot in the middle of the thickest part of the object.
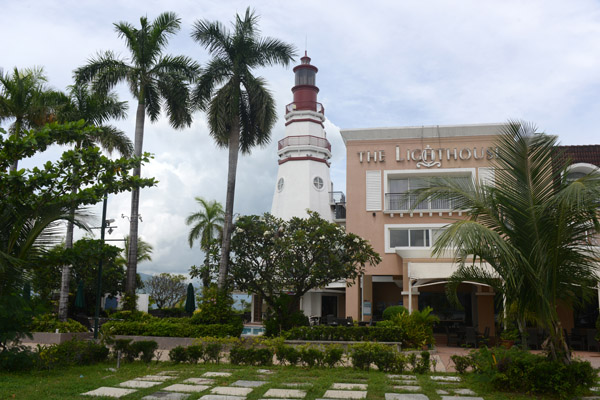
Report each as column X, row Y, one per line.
column 403, row 202
column 304, row 140
column 305, row 105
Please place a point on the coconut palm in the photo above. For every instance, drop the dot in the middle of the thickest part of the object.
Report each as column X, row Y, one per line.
column 95, row 108
column 531, row 227
column 207, row 226
column 25, row 97
column 154, row 80
column 241, row 111
column 144, row 252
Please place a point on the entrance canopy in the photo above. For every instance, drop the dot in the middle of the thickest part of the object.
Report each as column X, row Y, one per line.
column 426, row 274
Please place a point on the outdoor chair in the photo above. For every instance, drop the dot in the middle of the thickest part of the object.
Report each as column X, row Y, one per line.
column 452, row 337
column 471, row 337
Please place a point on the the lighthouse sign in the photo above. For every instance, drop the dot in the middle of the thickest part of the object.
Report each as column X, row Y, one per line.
column 430, row 157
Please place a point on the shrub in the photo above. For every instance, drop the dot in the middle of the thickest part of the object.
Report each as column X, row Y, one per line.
column 384, row 359
column 311, row 356
column 17, row 358
column 362, row 355
column 212, row 352
column 389, row 312
column 194, row 353
column 333, row 355
column 214, row 307
column 167, row 327
column 289, row 354
column 178, row 354
column 238, row 354
column 461, row 363
column 423, row 364
column 124, row 346
column 521, row 371
column 72, row 352
column 262, row 356
column 348, row 333
column 49, row 323
column 144, row 349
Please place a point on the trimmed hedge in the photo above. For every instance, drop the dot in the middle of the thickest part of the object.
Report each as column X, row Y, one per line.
column 347, row 333
column 170, row 328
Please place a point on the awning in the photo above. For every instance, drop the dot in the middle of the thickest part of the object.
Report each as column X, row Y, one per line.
column 425, row 274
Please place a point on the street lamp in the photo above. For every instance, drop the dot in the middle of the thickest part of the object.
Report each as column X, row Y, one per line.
column 99, row 285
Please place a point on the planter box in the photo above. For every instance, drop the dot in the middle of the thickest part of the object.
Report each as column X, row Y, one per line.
column 56, row 338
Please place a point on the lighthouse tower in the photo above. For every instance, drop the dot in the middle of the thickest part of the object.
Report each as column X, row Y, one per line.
column 303, row 180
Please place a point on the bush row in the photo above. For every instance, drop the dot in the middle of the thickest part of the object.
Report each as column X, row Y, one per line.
column 515, row 370
column 142, row 349
column 347, row 333
column 49, row 323
column 176, row 327
column 207, row 352
column 73, row 352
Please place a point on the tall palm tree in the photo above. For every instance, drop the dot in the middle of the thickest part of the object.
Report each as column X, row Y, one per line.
column 532, row 226
column 207, row 225
column 241, row 111
column 95, row 108
column 25, row 97
column 144, row 252
column 153, row 79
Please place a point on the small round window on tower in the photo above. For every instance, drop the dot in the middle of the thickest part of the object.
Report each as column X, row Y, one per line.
column 280, row 185
column 318, row 183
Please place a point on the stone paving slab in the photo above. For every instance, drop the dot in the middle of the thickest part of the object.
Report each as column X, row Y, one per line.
column 441, row 391
column 466, row 392
column 109, row 392
column 221, row 397
column 447, row 384
column 350, row 386
column 264, row 371
column 404, row 396
column 461, row 398
column 157, row 378
column 404, row 382
column 231, row 391
column 134, row 384
column 404, row 377
column 345, row 394
column 408, row 388
column 248, row 384
column 293, row 384
column 186, row 388
column 445, row 378
column 171, row 373
column 199, row 381
column 212, row 374
column 166, row 396
column 285, row 393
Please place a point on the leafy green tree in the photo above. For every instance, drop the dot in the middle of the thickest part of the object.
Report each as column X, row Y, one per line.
column 25, row 97
column 95, row 108
column 532, row 226
column 274, row 257
column 166, row 290
column 33, row 201
column 241, row 111
column 153, row 80
column 207, row 226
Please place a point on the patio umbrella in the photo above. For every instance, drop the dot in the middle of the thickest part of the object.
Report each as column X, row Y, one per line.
column 79, row 298
column 190, row 303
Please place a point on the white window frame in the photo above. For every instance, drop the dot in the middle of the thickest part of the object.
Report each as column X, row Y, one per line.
column 390, row 227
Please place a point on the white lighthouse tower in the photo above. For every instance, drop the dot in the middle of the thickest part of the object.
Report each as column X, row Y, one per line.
column 303, row 180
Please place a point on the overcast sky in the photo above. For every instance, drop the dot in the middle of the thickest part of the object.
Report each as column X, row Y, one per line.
column 388, row 63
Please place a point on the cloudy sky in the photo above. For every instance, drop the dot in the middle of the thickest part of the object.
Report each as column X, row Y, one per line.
column 388, row 63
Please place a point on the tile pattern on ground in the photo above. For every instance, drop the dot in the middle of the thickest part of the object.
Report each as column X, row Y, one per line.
column 345, row 394
column 109, row 392
column 285, row 393
column 157, row 378
column 212, row 374
column 404, row 396
column 408, row 388
column 200, row 381
column 186, row 388
column 350, row 386
column 166, row 396
column 445, row 378
column 135, row 384
column 248, row 384
column 231, row 391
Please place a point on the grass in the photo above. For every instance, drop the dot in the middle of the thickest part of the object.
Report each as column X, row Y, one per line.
column 69, row 383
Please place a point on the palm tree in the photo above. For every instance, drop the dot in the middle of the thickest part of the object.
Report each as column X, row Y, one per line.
column 95, row 108
column 144, row 252
column 25, row 97
column 532, row 227
column 241, row 111
column 207, row 225
column 152, row 79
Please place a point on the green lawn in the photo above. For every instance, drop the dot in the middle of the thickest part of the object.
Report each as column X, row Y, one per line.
column 70, row 383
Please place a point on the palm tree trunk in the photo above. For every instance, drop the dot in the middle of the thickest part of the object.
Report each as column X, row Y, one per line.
column 15, row 164
column 234, row 147
column 135, row 202
column 63, row 302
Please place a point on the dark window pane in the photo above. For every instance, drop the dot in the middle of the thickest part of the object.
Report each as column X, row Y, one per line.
column 398, row 238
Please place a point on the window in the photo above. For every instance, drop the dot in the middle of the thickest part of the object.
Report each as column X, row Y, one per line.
column 417, row 237
column 318, row 183
column 398, row 199
column 280, row 185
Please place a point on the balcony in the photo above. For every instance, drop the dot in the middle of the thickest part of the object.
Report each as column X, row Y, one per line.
column 305, row 105
column 304, row 140
column 338, row 203
column 402, row 202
